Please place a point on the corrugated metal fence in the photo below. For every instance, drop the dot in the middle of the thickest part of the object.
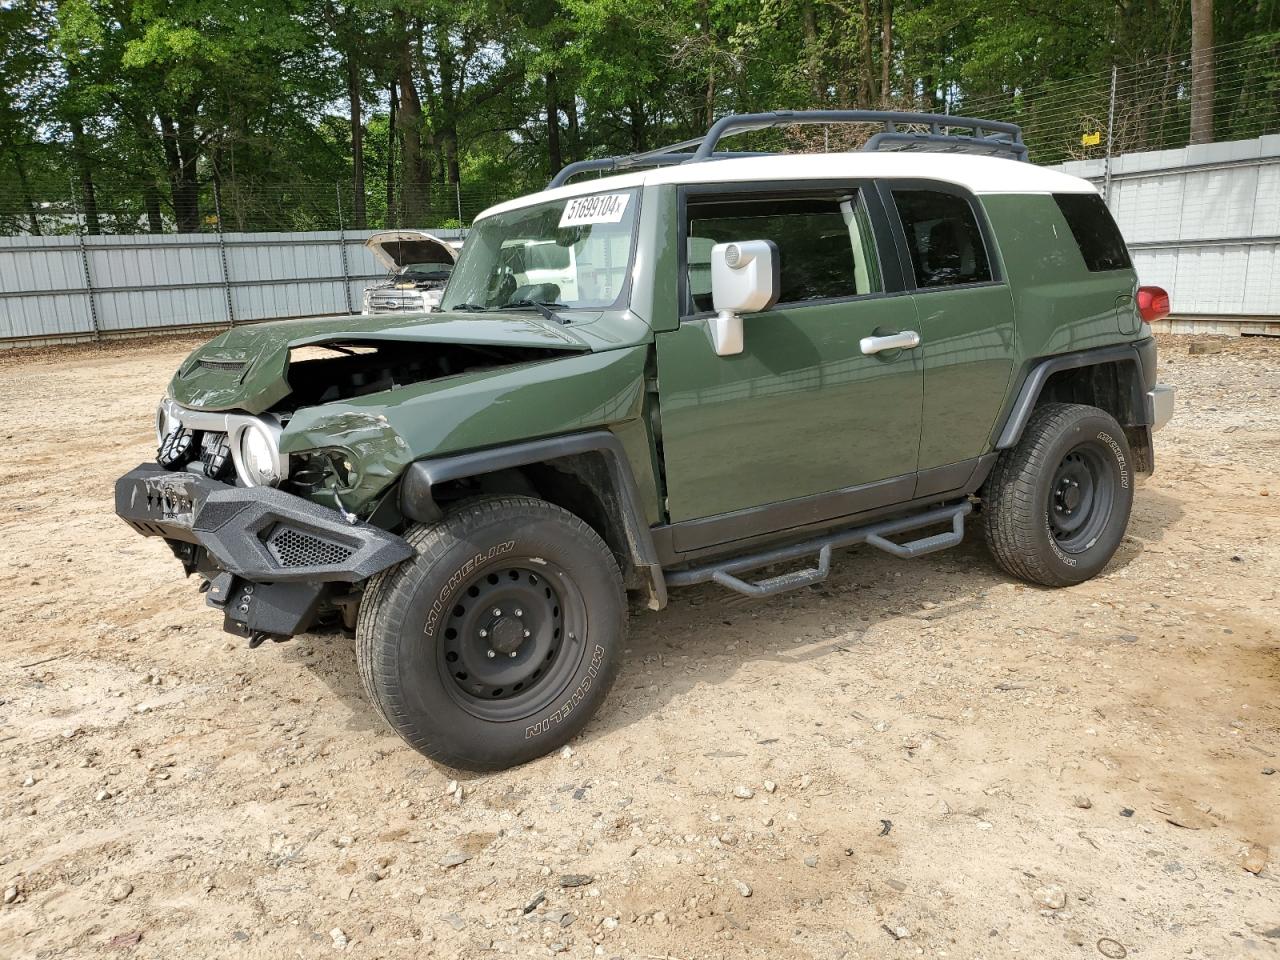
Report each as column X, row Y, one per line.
column 74, row 288
column 1204, row 223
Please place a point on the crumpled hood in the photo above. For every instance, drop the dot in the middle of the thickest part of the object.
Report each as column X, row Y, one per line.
column 245, row 368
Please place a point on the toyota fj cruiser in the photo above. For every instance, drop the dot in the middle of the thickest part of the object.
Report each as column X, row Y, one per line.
column 709, row 365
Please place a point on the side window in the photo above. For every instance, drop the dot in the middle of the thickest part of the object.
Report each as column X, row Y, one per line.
column 943, row 238
column 825, row 245
column 1095, row 231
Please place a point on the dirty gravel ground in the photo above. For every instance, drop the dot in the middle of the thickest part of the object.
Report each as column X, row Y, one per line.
column 961, row 765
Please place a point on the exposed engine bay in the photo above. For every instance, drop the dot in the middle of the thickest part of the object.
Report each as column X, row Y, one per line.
column 339, row 371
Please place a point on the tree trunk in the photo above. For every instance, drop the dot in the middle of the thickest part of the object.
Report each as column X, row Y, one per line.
column 410, row 124
column 886, row 51
column 867, row 92
column 358, row 213
column 571, row 126
column 451, row 88
column 391, row 219
column 554, row 153
column 636, row 115
column 151, row 201
column 88, row 196
column 28, row 204
column 813, row 51
column 709, row 39
column 180, row 156
column 1202, row 71
column 929, row 91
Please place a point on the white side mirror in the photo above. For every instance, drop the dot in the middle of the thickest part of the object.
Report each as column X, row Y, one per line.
column 744, row 279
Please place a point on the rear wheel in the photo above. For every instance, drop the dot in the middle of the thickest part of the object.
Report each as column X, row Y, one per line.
column 1056, row 506
column 500, row 639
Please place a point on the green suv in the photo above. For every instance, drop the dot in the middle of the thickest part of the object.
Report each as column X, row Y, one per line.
column 708, row 364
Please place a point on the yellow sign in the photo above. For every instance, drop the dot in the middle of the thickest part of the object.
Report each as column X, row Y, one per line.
column 1091, row 139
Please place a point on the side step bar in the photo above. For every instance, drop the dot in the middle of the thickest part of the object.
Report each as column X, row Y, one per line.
column 724, row 573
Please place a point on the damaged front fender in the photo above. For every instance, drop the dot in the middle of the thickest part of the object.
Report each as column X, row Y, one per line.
column 385, row 432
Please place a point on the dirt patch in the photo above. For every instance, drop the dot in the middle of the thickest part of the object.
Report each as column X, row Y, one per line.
column 961, row 765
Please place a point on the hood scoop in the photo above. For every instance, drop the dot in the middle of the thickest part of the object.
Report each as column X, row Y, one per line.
column 226, row 366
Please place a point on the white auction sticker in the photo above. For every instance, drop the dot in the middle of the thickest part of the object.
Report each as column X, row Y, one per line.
column 597, row 208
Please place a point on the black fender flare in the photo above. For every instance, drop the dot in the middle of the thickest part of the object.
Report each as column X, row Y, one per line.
column 417, row 500
column 1141, row 354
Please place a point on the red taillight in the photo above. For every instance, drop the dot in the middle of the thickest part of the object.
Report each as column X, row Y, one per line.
column 1153, row 304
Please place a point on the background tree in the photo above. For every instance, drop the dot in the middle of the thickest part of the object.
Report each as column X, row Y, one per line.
column 130, row 115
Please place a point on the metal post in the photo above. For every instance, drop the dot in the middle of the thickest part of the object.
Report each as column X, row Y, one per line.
column 222, row 253
column 342, row 245
column 457, row 189
column 1111, row 123
column 84, row 264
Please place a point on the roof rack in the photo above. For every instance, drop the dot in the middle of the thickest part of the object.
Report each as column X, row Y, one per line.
column 988, row 137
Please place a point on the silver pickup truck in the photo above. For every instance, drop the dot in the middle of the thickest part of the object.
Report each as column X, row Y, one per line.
column 419, row 265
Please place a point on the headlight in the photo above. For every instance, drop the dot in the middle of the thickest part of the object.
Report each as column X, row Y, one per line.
column 258, row 462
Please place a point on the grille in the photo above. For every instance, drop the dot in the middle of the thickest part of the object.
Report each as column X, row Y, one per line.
column 292, row 548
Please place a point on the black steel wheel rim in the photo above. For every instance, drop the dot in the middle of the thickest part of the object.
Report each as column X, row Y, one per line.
column 513, row 640
column 1081, row 498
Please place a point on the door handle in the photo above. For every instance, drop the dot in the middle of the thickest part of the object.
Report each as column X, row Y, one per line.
column 906, row 340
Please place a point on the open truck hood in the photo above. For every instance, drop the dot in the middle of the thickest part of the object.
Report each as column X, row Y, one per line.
column 246, row 368
column 395, row 249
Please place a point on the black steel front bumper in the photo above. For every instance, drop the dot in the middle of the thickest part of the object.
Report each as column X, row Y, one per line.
column 269, row 555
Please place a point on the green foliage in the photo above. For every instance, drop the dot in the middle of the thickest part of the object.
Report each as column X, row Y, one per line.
column 131, row 115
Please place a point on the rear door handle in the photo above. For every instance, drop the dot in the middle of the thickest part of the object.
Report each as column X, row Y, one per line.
column 906, row 340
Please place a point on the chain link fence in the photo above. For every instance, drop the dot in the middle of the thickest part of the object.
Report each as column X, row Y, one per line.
column 1141, row 106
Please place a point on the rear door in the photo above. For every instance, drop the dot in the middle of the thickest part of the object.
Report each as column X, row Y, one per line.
column 966, row 324
column 802, row 412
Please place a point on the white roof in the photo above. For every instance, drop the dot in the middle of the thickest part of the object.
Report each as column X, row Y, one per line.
column 981, row 175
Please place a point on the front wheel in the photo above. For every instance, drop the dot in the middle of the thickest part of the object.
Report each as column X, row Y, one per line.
column 1056, row 505
column 500, row 639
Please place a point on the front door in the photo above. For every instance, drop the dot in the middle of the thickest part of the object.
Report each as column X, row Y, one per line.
column 802, row 412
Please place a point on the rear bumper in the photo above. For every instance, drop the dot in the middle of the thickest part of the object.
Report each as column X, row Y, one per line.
column 1160, row 405
column 286, row 549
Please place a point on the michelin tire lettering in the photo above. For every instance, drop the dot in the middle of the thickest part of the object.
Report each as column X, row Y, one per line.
column 440, row 603
column 1115, row 449
column 575, row 698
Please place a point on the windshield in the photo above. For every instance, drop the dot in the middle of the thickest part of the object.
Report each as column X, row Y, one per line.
column 572, row 253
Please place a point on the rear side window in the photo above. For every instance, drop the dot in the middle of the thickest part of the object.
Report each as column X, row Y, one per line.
column 1095, row 231
column 943, row 238
column 825, row 247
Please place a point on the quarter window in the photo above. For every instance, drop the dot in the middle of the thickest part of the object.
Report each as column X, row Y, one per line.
column 1095, row 231
column 943, row 238
column 825, row 246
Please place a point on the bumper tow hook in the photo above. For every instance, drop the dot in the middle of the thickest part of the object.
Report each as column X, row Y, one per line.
column 258, row 638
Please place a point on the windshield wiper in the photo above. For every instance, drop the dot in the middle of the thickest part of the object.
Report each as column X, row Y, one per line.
column 547, row 308
column 468, row 307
